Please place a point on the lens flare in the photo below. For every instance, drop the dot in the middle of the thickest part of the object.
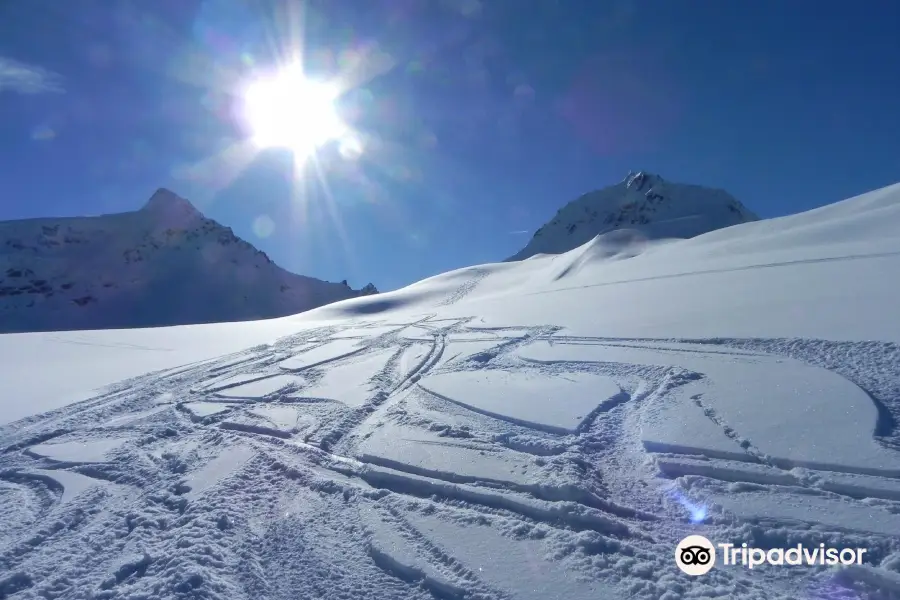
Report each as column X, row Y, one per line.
column 287, row 110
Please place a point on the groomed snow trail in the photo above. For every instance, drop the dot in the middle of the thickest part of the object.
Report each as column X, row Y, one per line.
column 433, row 458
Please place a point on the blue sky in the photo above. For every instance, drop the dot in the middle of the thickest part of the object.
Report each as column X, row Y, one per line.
column 480, row 117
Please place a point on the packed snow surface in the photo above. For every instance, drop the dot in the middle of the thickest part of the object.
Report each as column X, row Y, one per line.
column 549, row 428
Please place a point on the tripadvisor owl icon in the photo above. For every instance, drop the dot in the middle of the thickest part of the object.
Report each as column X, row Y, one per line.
column 695, row 555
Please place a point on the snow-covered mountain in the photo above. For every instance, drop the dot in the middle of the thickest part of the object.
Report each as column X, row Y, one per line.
column 529, row 430
column 165, row 264
column 642, row 207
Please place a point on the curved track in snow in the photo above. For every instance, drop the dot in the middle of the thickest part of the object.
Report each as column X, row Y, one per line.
column 434, row 458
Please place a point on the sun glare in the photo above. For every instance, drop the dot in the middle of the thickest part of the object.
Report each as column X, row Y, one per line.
column 288, row 110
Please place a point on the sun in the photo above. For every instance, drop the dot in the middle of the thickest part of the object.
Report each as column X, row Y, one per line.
column 287, row 110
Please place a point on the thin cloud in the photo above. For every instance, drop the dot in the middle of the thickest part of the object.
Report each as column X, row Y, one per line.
column 520, row 232
column 23, row 78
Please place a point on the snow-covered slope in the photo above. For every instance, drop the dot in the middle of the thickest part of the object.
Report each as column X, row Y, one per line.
column 642, row 207
column 165, row 264
column 549, row 428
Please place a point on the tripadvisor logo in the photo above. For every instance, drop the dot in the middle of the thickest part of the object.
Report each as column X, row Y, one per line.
column 696, row 555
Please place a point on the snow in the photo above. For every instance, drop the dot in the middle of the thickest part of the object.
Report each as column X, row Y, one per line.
column 129, row 418
column 784, row 404
column 835, row 514
column 94, row 450
column 227, row 382
column 522, row 566
column 621, row 220
column 319, row 354
column 259, row 386
column 137, row 269
column 349, row 383
column 554, row 404
column 429, row 453
column 90, row 360
column 461, row 351
column 72, row 484
column 228, row 461
column 206, row 409
column 488, row 560
column 547, row 428
column 285, row 418
column 364, row 333
column 394, row 553
column 412, row 357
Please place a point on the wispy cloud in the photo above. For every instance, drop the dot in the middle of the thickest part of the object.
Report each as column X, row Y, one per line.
column 23, row 78
column 520, row 232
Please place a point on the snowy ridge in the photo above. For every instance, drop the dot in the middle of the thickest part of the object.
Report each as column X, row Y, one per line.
column 549, row 428
column 165, row 264
column 644, row 205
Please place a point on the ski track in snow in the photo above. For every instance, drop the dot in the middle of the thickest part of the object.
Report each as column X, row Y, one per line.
column 465, row 288
column 370, row 465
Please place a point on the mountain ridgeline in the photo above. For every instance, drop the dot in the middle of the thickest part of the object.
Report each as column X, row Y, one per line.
column 165, row 264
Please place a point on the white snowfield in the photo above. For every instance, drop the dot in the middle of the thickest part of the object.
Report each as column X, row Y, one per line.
column 541, row 429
